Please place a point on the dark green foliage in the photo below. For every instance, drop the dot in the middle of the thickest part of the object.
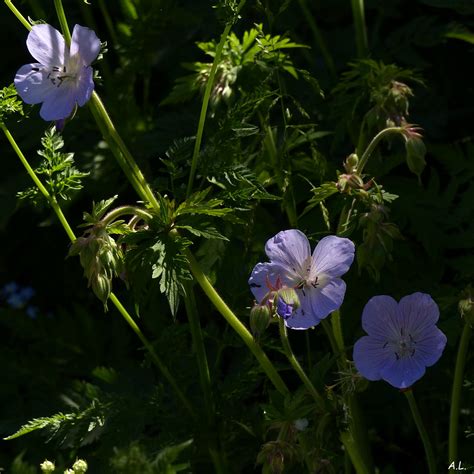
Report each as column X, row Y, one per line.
column 9, row 102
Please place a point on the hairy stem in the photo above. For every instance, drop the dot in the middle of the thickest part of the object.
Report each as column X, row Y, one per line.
column 205, row 102
column 456, row 393
column 429, row 453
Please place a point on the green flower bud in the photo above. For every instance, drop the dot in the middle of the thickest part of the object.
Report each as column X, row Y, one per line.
column 416, row 151
column 102, row 287
column 466, row 308
column 290, row 297
column 79, row 467
column 351, row 163
column 260, row 317
column 47, row 467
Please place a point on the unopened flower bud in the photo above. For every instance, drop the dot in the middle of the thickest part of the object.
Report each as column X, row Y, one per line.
column 466, row 308
column 102, row 286
column 351, row 163
column 260, row 317
column 287, row 302
column 416, row 151
column 47, row 467
column 79, row 467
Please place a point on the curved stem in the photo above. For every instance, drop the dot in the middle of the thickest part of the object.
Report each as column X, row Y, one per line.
column 360, row 28
column 456, row 393
column 20, row 17
column 130, row 321
column 296, row 365
column 58, row 4
column 238, row 327
column 373, row 144
column 124, row 211
column 205, row 102
column 430, row 459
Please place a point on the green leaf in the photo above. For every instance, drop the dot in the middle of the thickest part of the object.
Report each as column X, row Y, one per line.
column 9, row 102
column 320, row 194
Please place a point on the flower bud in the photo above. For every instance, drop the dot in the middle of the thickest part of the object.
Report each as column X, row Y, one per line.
column 287, row 302
column 79, row 467
column 351, row 163
column 416, row 151
column 260, row 317
column 466, row 308
column 47, row 467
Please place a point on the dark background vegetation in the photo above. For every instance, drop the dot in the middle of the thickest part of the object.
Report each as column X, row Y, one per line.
column 51, row 363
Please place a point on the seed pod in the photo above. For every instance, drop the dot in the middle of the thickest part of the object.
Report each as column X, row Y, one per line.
column 416, row 151
column 260, row 317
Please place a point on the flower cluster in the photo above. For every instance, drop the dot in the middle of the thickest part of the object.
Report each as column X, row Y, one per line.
column 402, row 337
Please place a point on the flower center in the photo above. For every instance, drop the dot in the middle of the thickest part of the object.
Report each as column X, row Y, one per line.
column 67, row 72
column 307, row 275
column 403, row 347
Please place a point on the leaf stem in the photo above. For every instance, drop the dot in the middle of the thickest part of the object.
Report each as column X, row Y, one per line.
column 70, row 233
column 124, row 211
column 422, row 431
column 296, row 365
column 205, row 101
column 235, row 323
column 456, row 393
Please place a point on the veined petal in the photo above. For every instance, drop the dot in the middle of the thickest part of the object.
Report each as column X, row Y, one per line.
column 381, row 318
column 370, row 357
column 85, row 43
column 32, row 83
column 290, row 249
column 333, row 256
column 265, row 277
column 418, row 313
column 84, row 86
column 404, row 372
column 46, row 44
column 429, row 348
column 60, row 103
column 317, row 303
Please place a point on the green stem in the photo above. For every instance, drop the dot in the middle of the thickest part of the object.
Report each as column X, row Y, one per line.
column 296, row 365
column 456, row 393
column 422, row 431
column 354, row 453
column 235, row 323
column 121, row 152
column 337, row 331
column 205, row 101
column 124, row 211
column 204, row 375
column 58, row 4
column 108, row 21
column 373, row 144
column 20, row 17
column 70, row 233
column 360, row 28
column 318, row 38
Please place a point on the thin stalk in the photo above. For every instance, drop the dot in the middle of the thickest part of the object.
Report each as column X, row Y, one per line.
column 373, row 144
column 70, row 233
column 205, row 102
column 360, row 28
column 354, row 453
column 337, row 331
column 20, row 17
column 58, row 5
column 430, row 459
column 318, row 38
column 235, row 323
column 296, row 365
column 456, row 393
column 204, row 375
column 126, row 211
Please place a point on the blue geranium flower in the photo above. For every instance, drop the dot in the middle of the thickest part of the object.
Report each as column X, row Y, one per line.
column 62, row 77
column 402, row 339
column 315, row 277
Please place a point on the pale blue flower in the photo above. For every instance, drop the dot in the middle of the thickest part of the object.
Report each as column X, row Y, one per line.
column 402, row 339
column 62, row 77
column 315, row 277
